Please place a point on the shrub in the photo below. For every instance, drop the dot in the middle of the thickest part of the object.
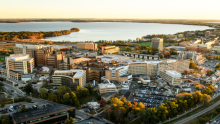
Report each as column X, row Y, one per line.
column 2, row 104
column 218, row 109
column 28, row 99
column 202, row 120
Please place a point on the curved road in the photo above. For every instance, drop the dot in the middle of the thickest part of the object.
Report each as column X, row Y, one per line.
column 185, row 120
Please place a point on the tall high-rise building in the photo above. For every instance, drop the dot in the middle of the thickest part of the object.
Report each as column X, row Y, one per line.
column 157, row 43
column 41, row 54
column 18, row 64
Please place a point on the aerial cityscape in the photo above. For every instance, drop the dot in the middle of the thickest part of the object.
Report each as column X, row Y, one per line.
column 109, row 62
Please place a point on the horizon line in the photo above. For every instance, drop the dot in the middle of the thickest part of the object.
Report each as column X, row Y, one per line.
column 116, row 18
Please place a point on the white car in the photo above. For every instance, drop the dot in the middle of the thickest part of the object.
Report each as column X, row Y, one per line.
column 11, row 108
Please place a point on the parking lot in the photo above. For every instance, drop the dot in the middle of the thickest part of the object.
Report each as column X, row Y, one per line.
column 151, row 96
column 210, row 64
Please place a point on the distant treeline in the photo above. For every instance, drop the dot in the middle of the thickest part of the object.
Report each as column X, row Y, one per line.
column 166, row 21
column 30, row 35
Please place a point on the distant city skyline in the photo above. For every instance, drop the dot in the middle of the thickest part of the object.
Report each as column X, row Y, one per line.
column 121, row 9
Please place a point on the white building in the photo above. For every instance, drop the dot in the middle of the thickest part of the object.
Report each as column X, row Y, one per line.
column 18, row 64
column 107, row 88
column 70, row 78
column 93, row 105
column 171, row 77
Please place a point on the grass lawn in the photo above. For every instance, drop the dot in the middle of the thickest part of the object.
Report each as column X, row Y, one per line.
column 145, row 44
column 122, row 48
column 190, row 38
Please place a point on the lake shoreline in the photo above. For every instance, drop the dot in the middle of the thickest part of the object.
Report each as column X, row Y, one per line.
column 205, row 24
column 99, row 31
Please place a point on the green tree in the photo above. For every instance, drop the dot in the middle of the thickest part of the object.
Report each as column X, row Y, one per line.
column 112, row 115
column 209, row 72
column 52, row 97
column 218, row 109
column 43, row 93
column 4, row 119
column 1, row 85
column 45, row 83
column 61, row 91
column 91, row 89
column 28, row 88
column 82, row 92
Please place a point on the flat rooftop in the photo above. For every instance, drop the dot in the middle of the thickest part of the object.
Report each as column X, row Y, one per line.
column 78, row 72
column 173, row 73
column 29, row 46
column 19, row 57
column 39, row 113
column 102, row 85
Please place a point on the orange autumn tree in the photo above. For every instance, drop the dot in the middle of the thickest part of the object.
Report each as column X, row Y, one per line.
column 123, row 99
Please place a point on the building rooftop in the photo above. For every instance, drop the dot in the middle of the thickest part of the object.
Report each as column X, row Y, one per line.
column 78, row 72
column 102, row 85
column 40, row 113
column 19, row 57
column 145, row 77
column 173, row 73
column 56, row 47
column 45, row 69
column 29, row 46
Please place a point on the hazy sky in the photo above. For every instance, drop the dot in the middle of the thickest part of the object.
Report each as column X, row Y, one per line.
column 132, row 9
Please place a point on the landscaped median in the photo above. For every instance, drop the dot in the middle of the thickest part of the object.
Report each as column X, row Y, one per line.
column 199, row 109
column 203, row 119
